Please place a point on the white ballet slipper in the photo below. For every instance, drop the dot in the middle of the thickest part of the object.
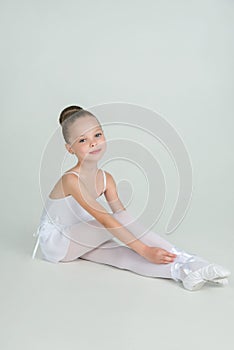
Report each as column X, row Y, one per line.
column 193, row 281
column 220, row 281
column 213, row 272
column 210, row 273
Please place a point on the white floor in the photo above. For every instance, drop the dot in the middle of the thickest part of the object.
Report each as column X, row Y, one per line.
column 95, row 306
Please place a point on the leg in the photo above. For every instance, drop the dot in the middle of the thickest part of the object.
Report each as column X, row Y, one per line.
column 153, row 239
column 193, row 270
column 124, row 257
column 84, row 237
column 95, row 243
column 110, row 253
column 90, row 241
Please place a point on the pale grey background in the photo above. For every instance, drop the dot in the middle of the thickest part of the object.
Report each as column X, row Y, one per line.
column 174, row 57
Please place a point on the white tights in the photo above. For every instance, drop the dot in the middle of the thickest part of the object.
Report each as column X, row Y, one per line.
column 98, row 246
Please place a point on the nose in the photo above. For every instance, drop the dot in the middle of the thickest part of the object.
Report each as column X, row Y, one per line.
column 93, row 143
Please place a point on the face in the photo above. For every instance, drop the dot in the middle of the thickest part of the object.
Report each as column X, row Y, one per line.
column 86, row 137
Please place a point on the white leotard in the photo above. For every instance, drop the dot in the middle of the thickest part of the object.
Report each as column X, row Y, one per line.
column 57, row 215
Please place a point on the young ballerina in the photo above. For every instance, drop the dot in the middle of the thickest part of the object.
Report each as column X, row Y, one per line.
column 74, row 225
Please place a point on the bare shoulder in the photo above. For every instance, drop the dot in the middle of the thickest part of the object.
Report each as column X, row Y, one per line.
column 72, row 183
column 81, row 194
column 60, row 188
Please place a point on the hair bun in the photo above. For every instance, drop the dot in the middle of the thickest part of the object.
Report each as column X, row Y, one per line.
column 67, row 112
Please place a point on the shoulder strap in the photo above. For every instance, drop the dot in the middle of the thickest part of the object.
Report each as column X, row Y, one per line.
column 72, row 172
column 104, row 179
column 103, row 172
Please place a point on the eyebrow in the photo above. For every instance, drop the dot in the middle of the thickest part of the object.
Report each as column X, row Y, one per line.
column 98, row 127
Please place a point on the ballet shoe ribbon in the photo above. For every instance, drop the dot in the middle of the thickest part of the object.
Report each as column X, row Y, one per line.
column 183, row 259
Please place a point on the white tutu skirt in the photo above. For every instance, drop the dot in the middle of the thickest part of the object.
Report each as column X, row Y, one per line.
column 53, row 243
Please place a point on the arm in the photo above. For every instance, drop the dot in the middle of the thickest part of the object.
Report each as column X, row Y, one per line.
column 111, row 194
column 78, row 190
column 153, row 254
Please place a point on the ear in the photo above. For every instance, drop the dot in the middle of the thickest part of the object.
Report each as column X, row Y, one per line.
column 68, row 147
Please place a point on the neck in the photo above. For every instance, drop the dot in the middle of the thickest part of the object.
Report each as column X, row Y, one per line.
column 87, row 168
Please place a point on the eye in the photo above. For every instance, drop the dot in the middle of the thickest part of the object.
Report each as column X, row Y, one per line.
column 99, row 133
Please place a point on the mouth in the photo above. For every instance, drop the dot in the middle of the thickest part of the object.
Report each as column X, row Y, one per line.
column 96, row 151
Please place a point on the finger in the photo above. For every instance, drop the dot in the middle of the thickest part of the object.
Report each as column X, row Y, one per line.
column 168, row 259
column 165, row 262
column 166, row 253
column 172, row 255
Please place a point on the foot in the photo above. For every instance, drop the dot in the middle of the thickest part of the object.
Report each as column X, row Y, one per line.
column 193, row 281
column 212, row 273
column 220, row 281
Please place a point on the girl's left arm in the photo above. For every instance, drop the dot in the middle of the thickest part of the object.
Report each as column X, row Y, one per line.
column 111, row 194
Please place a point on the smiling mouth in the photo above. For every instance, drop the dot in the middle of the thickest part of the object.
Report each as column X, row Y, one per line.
column 98, row 150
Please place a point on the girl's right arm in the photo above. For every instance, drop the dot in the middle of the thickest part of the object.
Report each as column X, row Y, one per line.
column 78, row 190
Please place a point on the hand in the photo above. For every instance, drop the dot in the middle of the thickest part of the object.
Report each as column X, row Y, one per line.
column 158, row 255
